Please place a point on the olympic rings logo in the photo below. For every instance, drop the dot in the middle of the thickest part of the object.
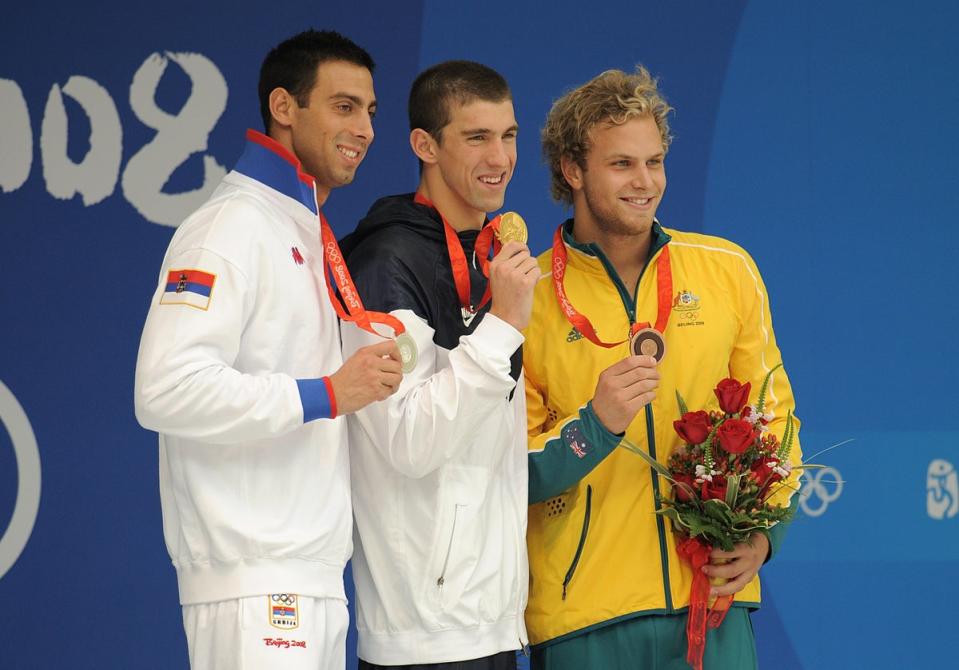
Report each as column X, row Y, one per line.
column 820, row 488
column 27, row 503
column 285, row 598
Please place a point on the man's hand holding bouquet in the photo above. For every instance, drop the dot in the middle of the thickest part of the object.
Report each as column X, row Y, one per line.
column 725, row 480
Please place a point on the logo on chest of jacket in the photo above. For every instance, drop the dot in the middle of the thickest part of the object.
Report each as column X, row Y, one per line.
column 686, row 305
column 284, row 613
column 468, row 314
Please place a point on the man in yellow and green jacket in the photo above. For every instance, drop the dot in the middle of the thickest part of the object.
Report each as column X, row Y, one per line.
column 607, row 587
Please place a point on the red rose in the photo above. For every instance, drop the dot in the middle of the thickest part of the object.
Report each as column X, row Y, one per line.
column 762, row 470
column 694, row 427
column 763, row 475
column 714, row 489
column 735, row 435
column 732, row 395
column 681, row 492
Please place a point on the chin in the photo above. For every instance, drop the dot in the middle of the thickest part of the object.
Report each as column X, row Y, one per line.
column 489, row 204
column 347, row 178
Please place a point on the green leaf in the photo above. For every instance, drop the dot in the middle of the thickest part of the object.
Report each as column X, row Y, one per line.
column 708, row 459
column 761, row 401
column 788, row 436
column 674, row 516
column 718, row 510
column 732, row 490
column 653, row 463
column 838, row 444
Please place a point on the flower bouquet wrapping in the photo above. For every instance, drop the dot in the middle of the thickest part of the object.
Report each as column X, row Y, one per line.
column 722, row 480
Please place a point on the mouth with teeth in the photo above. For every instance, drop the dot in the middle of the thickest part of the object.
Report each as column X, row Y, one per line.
column 350, row 154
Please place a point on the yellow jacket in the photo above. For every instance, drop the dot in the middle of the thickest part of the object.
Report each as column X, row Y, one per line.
column 597, row 551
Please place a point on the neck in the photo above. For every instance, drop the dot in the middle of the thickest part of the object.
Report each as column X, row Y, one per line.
column 285, row 139
column 626, row 253
column 457, row 213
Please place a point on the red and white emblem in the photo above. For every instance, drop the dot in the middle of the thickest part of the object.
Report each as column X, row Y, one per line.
column 284, row 613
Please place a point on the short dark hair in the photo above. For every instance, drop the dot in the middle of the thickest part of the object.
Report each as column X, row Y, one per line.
column 292, row 65
column 455, row 81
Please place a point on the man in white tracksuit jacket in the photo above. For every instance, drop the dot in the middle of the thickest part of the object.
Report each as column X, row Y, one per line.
column 240, row 371
column 439, row 469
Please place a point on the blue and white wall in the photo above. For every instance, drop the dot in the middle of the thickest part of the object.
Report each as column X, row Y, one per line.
column 820, row 135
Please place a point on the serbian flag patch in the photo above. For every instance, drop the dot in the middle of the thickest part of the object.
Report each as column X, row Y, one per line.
column 188, row 287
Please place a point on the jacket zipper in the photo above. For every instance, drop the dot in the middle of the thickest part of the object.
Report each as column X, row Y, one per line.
column 650, row 426
column 660, row 522
column 582, row 540
column 449, row 548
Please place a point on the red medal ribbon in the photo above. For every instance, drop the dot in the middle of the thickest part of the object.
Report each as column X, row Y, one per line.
column 332, row 256
column 355, row 312
column 461, row 272
column 701, row 615
column 697, row 554
column 664, row 294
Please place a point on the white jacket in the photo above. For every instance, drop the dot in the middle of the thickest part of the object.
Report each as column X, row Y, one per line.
column 255, row 500
column 439, row 474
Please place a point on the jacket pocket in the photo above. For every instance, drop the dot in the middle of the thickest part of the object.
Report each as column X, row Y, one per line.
column 459, row 541
column 582, row 541
column 449, row 548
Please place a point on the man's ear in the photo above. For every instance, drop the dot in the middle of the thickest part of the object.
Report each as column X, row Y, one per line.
column 424, row 146
column 282, row 106
column 572, row 172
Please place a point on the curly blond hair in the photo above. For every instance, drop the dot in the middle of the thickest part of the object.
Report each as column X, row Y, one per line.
column 612, row 97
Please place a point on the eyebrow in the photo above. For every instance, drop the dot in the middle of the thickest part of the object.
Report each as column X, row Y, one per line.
column 481, row 131
column 352, row 98
column 661, row 154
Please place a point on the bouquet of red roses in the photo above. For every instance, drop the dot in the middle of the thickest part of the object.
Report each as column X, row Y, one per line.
column 722, row 481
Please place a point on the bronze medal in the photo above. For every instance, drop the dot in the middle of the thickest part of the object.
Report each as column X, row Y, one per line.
column 512, row 227
column 648, row 342
column 407, row 347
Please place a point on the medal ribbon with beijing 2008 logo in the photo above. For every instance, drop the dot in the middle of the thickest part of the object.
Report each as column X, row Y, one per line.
column 640, row 333
column 333, row 258
column 354, row 311
column 488, row 236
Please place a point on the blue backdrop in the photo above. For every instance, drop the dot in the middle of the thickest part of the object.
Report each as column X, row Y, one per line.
column 819, row 135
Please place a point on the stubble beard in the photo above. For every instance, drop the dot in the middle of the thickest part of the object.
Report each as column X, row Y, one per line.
column 609, row 224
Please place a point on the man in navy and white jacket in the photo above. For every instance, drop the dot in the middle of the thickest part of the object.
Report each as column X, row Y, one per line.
column 241, row 373
column 439, row 469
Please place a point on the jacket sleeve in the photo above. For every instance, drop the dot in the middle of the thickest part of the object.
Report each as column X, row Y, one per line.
column 435, row 413
column 441, row 403
column 754, row 354
column 561, row 453
column 186, row 384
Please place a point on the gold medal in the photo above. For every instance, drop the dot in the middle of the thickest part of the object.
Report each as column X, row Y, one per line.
column 512, row 227
column 407, row 347
column 648, row 342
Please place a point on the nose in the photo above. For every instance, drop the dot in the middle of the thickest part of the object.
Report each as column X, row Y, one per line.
column 364, row 127
column 499, row 154
column 642, row 179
